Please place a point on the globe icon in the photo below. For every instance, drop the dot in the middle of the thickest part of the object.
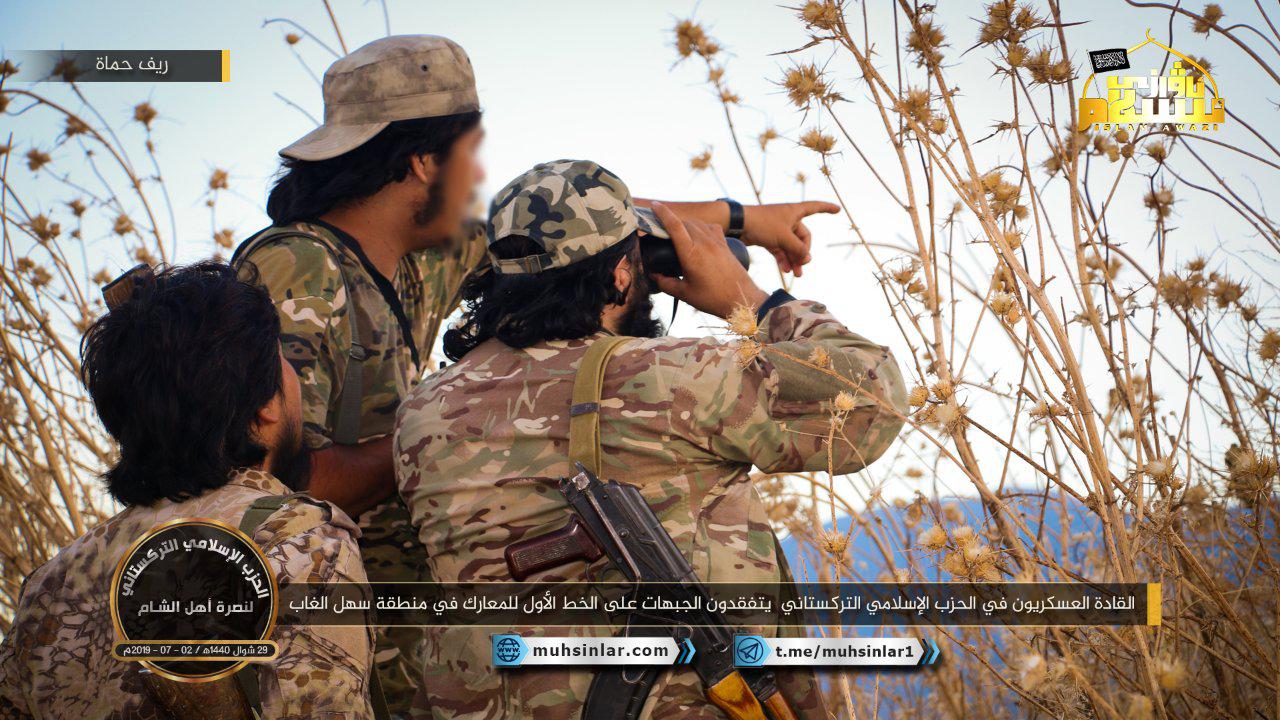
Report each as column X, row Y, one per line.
column 749, row 651
column 507, row 649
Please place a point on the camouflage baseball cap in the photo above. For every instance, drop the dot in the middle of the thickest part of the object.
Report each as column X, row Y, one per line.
column 401, row 77
column 572, row 209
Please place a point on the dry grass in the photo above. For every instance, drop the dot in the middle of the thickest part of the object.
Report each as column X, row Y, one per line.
column 1056, row 371
column 98, row 196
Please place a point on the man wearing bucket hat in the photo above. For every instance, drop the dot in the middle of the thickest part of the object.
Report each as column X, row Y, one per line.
column 480, row 444
column 368, row 246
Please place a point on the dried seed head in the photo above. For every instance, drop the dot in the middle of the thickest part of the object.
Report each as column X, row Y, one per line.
column 1160, row 469
column 1251, row 477
column 821, row 14
column 805, row 85
column 766, row 137
column 1160, row 201
column 1269, row 346
column 950, row 417
column 144, row 113
column 915, row 105
column 834, row 543
column 224, row 238
column 37, row 159
column 917, row 397
column 701, row 161
column 926, row 41
column 219, row 180
column 742, row 322
column 746, row 352
column 1187, row 293
column 817, row 141
column 935, row 538
column 1194, row 72
column 1226, row 292
column 1002, row 302
column 1208, row 19
column 123, row 225
column 7, row 68
column 844, row 402
column 820, row 357
column 1016, row 55
column 292, row 38
column 67, row 70
column 691, row 39
column 75, row 126
column 44, row 229
column 964, row 536
column 77, row 207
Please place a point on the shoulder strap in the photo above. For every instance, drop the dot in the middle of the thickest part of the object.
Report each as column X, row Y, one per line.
column 247, row 676
column 346, row 426
column 584, row 414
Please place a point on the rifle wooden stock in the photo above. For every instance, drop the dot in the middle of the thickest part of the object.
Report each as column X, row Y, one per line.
column 215, row 700
column 778, row 707
column 734, row 697
column 556, row 548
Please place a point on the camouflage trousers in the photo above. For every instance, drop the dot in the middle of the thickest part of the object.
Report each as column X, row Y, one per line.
column 392, row 553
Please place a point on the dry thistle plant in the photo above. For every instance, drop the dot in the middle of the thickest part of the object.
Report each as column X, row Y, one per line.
column 78, row 204
column 1083, row 405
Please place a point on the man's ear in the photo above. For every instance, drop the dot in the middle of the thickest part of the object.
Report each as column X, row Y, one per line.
column 269, row 417
column 424, row 168
column 622, row 277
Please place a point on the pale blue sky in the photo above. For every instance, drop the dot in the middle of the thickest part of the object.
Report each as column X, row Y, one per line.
column 592, row 79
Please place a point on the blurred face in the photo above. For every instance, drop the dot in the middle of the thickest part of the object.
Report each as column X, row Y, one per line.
column 453, row 191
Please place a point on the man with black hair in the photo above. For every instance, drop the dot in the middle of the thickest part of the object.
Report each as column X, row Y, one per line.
column 480, row 445
column 368, row 246
column 151, row 365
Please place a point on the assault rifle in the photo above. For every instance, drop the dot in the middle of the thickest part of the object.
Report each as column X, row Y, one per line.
column 613, row 520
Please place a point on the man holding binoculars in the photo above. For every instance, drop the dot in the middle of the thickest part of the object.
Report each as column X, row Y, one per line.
column 480, row 445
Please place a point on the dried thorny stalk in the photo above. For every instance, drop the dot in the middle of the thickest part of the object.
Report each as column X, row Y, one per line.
column 78, row 205
column 1083, row 406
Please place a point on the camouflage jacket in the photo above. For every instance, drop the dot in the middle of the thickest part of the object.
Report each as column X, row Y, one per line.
column 480, row 444
column 56, row 660
column 306, row 282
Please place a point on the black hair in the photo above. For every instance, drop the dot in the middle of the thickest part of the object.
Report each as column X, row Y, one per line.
column 307, row 189
column 177, row 374
column 558, row 304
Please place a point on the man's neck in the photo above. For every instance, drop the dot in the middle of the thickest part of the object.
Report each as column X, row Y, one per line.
column 382, row 241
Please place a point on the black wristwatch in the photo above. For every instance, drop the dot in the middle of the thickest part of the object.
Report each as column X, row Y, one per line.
column 737, row 220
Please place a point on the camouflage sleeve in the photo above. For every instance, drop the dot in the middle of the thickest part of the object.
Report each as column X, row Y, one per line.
column 13, row 651
column 321, row 671
column 305, row 284
column 778, row 395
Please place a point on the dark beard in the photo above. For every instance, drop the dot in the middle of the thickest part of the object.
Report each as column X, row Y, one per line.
column 428, row 209
column 292, row 463
column 639, row 320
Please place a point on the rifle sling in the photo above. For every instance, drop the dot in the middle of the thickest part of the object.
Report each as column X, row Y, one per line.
column 584, row 414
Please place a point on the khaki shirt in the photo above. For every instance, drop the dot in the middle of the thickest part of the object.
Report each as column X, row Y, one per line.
column 56, row 660
column 479, row 445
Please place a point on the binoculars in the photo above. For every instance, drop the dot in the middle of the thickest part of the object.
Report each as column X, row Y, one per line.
column 660, row 258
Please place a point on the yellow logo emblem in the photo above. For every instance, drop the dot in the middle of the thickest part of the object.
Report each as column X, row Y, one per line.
column 1176, row 99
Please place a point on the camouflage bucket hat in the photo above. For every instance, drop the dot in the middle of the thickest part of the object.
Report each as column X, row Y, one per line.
column 572, row 209
column 402, row 77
